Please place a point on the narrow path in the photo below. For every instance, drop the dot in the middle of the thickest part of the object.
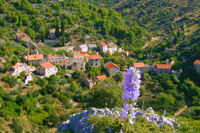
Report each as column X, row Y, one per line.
column 118, row 4
column 181, row 111
column 152, row 40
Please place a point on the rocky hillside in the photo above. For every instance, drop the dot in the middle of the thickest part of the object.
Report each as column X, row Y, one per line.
column 79, row 123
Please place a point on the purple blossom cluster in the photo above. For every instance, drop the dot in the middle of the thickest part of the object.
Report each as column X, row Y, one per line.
column 131, row 92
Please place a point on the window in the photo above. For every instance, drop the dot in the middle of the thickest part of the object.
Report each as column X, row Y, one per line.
column 96, row 64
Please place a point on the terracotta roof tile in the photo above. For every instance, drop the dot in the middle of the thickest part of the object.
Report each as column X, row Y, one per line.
column 125, row 52
column 35, row 57
column 197, row 62
column 46, row 65
column 94, row 57
column 16, row 66
column 23, row 35
column 102, row 77
column 103, row 44
column 111, row 65
column 83, row 53
column 78, row 56
column 139, row 64
column 75, row 50
column 50, row 56
column 164, row 66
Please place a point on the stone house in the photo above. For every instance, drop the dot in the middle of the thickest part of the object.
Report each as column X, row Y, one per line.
column 92, row 46
column 34, row 52
column 33, row 59
column 52, row 34
column 163, row 68
column 76, row 62
column 83, row 48
column 50, row 42
column 79, row 63
column 90, row 83
column 126, row 53
column 47, row 69
column 94, row 60
column 18, row 68
column 103, row 47
column 141, row 67
column 112, row 48
column 23, row 37
column 197, row 66
column 31, row 45
column 111, row 68
column 178, row 74
column 149, row 56
column 170, row 49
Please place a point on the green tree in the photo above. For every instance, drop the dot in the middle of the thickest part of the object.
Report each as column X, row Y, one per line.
column 42, row 35
column 12, row 81
column 57, row 32
column 54, row 119
column 17, row 128
column 53, row 79
column 73, row 87
column 42, row 82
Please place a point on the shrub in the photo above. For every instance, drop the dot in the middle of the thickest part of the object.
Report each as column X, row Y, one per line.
column 42, row 82
column 5, row 79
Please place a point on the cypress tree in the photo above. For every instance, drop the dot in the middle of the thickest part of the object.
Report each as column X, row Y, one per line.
column 42, row 36
column 57, row 33
column 63, row 31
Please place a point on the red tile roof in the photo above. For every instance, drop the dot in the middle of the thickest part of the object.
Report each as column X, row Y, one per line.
column 94, row 57
column 50, row 56
column 139, row 64
column 166, row 66
column 23, row 35
column 197, row 62
column 35, row 57
column 46, row 65
column 83, row 53
column 78, row 56
column 125, row 52
column 102, row 77
column 75, row 50
column 103, row 44
column 111, row 65
column 16, row 66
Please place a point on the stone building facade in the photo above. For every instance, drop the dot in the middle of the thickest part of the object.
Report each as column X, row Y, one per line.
column 111, row 69
column 163, row 68
column 47, row 69
column 94, row 60
column 197, row 66
column 34, row 59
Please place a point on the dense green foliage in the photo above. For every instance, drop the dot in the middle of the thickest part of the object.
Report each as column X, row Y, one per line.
column 43, row 104
column 103, row 124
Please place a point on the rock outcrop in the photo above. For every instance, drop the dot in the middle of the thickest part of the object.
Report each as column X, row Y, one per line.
column 78, row 122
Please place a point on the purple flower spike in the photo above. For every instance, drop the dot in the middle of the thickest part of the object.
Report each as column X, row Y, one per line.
column 131, row 92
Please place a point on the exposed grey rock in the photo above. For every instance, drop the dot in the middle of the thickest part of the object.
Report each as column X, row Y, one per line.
column 150, row 110
column 78, row 123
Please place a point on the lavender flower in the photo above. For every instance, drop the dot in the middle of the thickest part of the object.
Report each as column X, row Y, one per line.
column 131, row 92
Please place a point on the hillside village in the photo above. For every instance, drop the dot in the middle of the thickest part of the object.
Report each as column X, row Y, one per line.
column 59, row 58
column 45, row 66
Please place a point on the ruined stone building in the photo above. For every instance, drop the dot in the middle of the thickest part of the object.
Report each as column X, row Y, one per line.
column 76, row 62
